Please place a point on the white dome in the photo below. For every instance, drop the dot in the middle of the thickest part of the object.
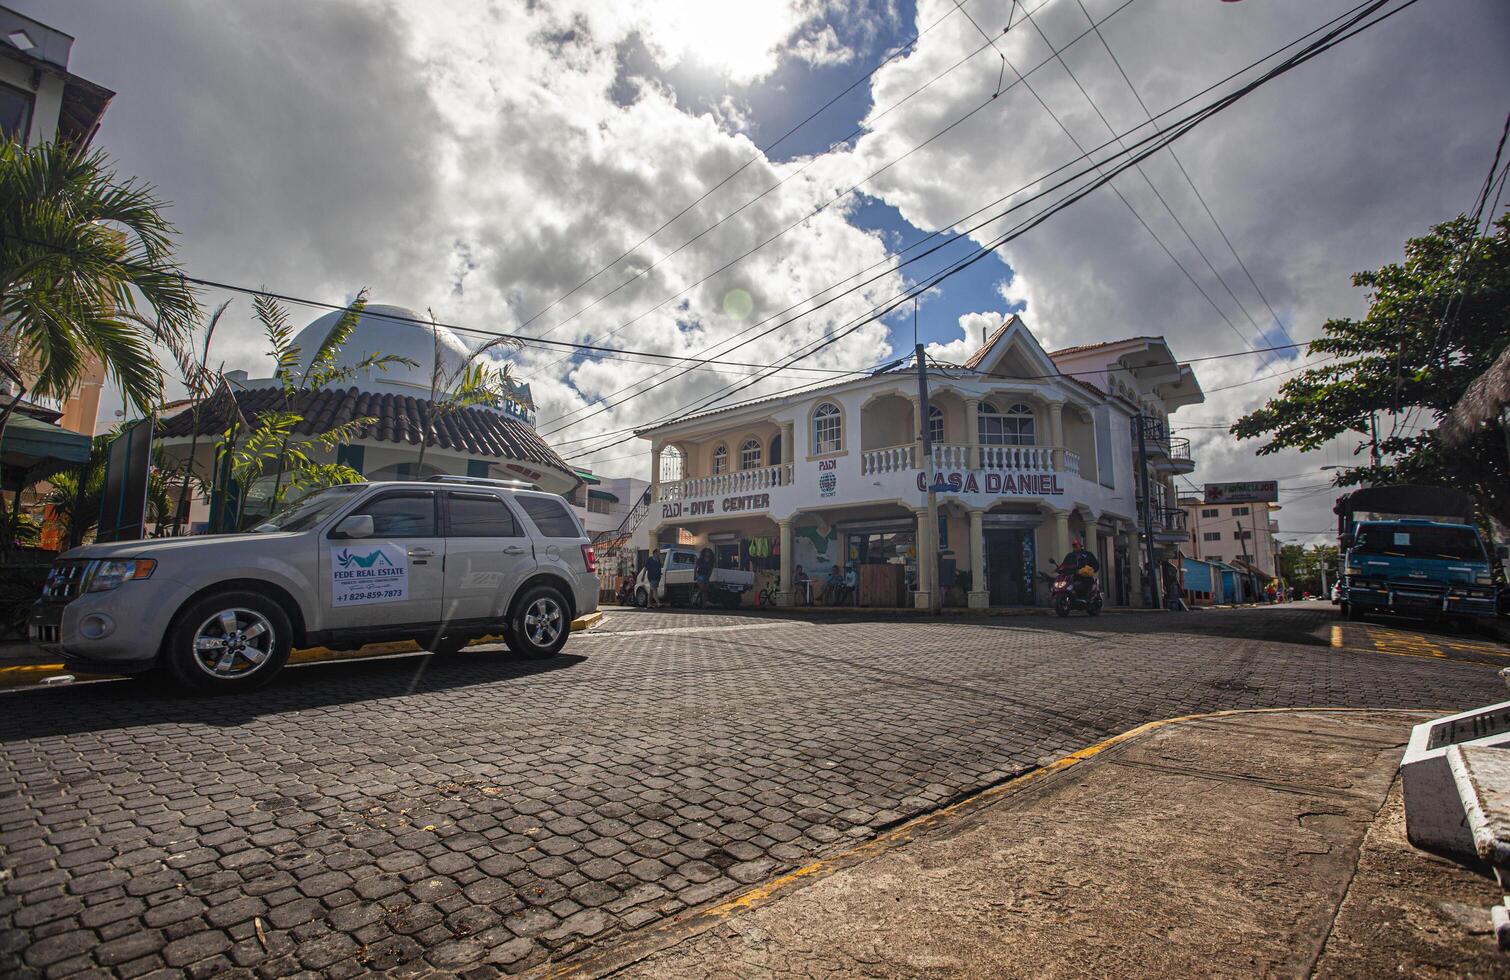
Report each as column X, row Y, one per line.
column 386, row 330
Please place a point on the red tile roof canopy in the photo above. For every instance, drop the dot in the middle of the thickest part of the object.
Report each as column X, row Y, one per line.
column 398, row 419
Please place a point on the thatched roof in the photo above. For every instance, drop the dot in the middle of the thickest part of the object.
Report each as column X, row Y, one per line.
column 1481, row 404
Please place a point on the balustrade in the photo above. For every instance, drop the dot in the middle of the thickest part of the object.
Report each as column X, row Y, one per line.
column 892, row 459
column 725, row 484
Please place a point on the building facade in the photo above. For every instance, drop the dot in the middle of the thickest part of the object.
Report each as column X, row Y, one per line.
column 1029, row 451
column 492, row 441
column 1233, row 533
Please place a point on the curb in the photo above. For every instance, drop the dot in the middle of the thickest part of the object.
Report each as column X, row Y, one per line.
column 27, row 675
column 693, row 923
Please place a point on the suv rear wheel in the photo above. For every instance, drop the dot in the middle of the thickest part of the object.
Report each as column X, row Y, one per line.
column 540, row 623
column 233, row 641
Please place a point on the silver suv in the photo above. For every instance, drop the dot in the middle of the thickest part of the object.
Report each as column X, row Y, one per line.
column 440, row 562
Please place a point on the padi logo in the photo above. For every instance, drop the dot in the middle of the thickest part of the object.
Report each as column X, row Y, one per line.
column 346, row 559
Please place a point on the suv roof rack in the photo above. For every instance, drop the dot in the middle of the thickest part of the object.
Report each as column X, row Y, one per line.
column 481, row 481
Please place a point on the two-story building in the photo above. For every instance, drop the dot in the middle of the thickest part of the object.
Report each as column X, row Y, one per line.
column 1029, row 450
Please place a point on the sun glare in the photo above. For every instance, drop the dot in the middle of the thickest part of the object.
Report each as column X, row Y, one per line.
column 738, row 40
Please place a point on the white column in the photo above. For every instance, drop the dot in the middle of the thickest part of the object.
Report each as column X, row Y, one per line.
column 972, row 430
column 655, row 471
column 980, row 596
column 927, row 560
column 1061, row 535
column 1056, row 433
column 784, row 592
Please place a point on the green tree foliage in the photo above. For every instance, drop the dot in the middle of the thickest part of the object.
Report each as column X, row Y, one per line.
column 477, row 380
column 86, row 269
column 1435, row 322
column 75, row 493
column 269, row 457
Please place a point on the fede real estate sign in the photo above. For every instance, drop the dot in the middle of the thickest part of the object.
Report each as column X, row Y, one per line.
column 1014, row 484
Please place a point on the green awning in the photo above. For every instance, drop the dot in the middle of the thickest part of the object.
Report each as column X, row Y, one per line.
column 28, row 441
column 602, row 495
column 586, row 477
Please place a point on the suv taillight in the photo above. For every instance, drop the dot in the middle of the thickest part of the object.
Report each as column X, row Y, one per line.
column 590, row 557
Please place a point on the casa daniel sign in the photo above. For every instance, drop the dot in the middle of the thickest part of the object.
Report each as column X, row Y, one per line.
column 1016, row 484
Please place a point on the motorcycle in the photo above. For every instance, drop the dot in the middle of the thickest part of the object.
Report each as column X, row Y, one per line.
column 1066, row 595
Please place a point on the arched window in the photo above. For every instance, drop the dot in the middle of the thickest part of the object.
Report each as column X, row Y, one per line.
column 1014, row 427
column 776, row 449
column 935, row 424
column 828, row 429
column 749, row 454
column 671, row 465
column 720, row 460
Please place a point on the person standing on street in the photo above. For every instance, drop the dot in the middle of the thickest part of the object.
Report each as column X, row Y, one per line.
column 653, row 569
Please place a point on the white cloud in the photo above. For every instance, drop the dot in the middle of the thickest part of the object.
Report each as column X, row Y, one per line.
column 411, row 147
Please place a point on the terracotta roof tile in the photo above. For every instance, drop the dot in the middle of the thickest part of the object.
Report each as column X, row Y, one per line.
column 396, row 418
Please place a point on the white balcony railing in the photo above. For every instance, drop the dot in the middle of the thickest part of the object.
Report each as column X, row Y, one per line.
column 740, row 481
column 1036, row 459
column 892, row 459
column 951, row 456
column 956, row 456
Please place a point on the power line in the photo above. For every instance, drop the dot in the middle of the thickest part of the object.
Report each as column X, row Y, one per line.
column 1159, row 134
column 1186, row 174
column 1354, row 22
column 1121, row 197
column 761, row 153
column 841, row 195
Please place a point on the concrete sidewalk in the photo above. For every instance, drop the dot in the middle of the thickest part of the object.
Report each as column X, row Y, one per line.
column 1229, row 845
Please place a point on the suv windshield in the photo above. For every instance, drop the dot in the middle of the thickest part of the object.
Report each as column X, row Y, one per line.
column 1420, row 541
column 309, row 511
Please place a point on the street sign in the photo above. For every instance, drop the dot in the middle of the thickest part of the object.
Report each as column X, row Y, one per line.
column 1255, row 491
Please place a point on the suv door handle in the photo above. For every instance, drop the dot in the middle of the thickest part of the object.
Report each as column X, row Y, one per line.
column 514, row 549
column 421, row 553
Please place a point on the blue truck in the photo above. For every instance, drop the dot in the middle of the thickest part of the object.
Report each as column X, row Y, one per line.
column 1414, row 551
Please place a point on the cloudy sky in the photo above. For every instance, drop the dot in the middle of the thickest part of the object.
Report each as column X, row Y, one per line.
column 484, row 160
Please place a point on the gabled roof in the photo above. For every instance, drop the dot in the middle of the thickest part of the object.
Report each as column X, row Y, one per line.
column 397, row 418
column 1012, row 336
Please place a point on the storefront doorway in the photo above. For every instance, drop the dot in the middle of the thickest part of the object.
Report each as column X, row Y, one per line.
column 1010, row 564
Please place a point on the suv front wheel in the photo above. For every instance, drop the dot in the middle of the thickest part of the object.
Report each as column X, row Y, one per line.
column 233, row 641
column 540, row 623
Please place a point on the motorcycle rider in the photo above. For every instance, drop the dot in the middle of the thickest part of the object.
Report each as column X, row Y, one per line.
column 1077, row 559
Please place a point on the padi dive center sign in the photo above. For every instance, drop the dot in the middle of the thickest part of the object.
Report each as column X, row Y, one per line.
column 365, row 574
column 1006, row 484
column 710, row 508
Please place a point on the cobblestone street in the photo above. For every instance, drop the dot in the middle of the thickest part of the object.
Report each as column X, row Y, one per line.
column 490, row 812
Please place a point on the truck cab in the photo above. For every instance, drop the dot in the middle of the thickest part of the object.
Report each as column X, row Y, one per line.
column 1412, row 551
column 679, row 585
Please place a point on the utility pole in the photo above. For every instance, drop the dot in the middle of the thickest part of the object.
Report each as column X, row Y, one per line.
column 927, row 551
column 1373, row 444
column 1154, row 572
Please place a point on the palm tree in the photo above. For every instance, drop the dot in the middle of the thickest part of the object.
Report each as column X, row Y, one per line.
column 86, row 270
column 475, row 381
column 323, row 370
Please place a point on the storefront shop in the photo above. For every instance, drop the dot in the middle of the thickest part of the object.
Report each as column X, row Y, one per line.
column 841, row 484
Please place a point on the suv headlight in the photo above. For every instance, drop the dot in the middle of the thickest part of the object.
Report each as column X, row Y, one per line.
column 1354, row 570
column 1484, row 578
column 113, row 572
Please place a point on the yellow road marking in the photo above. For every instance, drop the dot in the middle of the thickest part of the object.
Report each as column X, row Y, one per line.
column 697, row 922
column 22, row 675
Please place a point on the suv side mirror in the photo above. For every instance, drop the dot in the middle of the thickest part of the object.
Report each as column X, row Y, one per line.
column 1345, row 540
column 1502, row 551
column 355, row 526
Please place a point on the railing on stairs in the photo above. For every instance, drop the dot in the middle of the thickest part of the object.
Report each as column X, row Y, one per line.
column 631, row 522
